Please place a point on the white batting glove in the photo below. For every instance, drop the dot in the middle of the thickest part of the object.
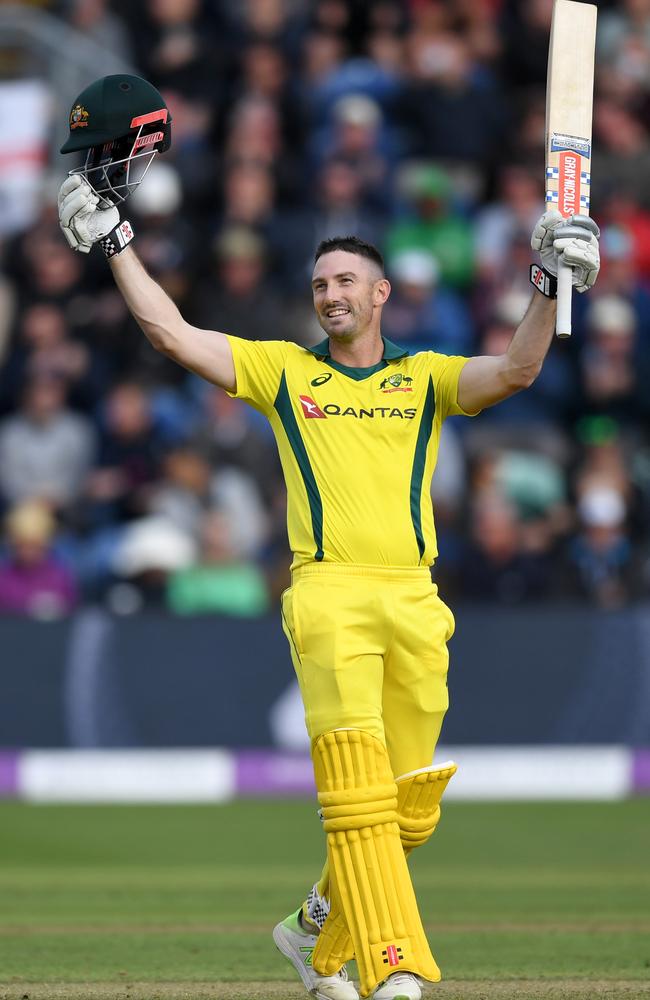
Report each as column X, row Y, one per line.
column 576, row 239
column 83, row 217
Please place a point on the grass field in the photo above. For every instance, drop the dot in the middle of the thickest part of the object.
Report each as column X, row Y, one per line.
column 145, row 903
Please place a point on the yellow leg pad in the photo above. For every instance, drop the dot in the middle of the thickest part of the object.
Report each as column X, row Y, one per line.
column 418, row 813
column 369, row 875
column 418, row 803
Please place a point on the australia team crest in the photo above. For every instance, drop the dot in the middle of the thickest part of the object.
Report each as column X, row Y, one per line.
column 396, row 383
column 78, row 117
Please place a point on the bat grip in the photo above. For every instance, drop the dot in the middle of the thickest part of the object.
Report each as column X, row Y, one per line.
column 564, row 289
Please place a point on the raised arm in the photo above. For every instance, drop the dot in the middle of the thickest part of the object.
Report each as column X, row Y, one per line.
column 205, row 352
column 485, row 381
column 86, row 221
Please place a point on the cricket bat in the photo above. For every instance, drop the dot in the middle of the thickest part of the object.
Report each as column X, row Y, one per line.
column 569, row 103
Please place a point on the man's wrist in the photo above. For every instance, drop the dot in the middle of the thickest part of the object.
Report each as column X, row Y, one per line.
column 543, row 281
column 117, row 240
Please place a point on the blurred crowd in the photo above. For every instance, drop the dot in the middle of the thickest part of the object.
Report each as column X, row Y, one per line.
column 416, row 124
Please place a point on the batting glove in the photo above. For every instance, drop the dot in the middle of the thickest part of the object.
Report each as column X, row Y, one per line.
column 576, row 239
column 83, row 217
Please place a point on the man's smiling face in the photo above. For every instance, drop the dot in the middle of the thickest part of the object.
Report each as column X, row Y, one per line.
column 344, row 286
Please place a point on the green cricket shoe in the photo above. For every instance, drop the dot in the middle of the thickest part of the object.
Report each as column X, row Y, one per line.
column 297, row 946
column 399, row 986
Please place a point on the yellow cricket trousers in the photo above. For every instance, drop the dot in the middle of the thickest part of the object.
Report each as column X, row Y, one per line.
column 369, row 647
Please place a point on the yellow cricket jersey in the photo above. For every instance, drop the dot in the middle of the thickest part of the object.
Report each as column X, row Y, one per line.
column 358, row 446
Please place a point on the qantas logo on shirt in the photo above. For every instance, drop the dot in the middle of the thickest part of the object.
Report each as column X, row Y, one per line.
column 311, row 409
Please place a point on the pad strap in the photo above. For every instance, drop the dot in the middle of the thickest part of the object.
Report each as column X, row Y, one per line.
column 118, row 239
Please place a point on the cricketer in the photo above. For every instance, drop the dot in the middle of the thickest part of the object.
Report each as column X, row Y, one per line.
column 357, row 422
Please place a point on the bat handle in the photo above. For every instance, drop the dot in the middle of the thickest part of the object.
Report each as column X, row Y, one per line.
column 564, row 288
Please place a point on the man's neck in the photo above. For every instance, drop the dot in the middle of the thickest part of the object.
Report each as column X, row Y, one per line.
column 362, row 352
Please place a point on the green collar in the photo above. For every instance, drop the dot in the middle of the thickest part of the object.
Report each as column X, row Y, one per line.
column 391, row 351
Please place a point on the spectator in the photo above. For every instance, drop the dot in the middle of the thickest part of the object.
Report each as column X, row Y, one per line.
column 164, row 242
column 419, row 314
column 177, row 47
column 526, row 33
column 239, row 300
column 621, row 153
column 45, row 348
column 189, row 488
column 323, row 52
column 231, row 434
column 624, row 49
column 32, row 580
column 266, row 20
column 255, row 133
column 191, row 151
column 433, row 226
column 264, row 72
column 607, row 360
column 149, row 551
column 600, row 555
column 355, row 136
column 497, row 566
column 453, row 115
column 46, row 450
column 249, row 197
column 510, row 217
column 221, row 582
column 95, row 20
column 625, row 223
column 338, row 208
column 129, row 455
column 47, row 273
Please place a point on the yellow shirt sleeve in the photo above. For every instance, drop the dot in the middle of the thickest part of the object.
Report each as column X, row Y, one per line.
column 446, row 371
column 258, row 370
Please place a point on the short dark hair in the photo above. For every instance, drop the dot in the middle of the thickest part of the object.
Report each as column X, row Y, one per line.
column 351, row 244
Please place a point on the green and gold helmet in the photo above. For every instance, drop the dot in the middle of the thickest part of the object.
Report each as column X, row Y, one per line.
column 122, row 122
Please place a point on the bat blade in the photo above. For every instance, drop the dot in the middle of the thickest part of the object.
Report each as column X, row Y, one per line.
column 569, row 106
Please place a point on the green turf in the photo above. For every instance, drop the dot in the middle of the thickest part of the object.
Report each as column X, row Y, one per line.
column 174, row 895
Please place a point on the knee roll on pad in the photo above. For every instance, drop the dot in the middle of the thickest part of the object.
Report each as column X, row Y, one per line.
column 370, row 881
column 418, row 803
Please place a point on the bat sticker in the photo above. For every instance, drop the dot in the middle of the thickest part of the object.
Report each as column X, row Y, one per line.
column 573, row 143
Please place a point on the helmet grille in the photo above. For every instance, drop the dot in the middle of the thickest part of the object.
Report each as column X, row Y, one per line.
column 115, row 169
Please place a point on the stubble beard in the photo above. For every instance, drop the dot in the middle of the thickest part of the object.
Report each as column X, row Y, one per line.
column 356, row 322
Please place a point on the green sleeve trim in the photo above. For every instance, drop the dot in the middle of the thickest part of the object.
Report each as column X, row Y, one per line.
column 419, row 462
column 288, row 418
